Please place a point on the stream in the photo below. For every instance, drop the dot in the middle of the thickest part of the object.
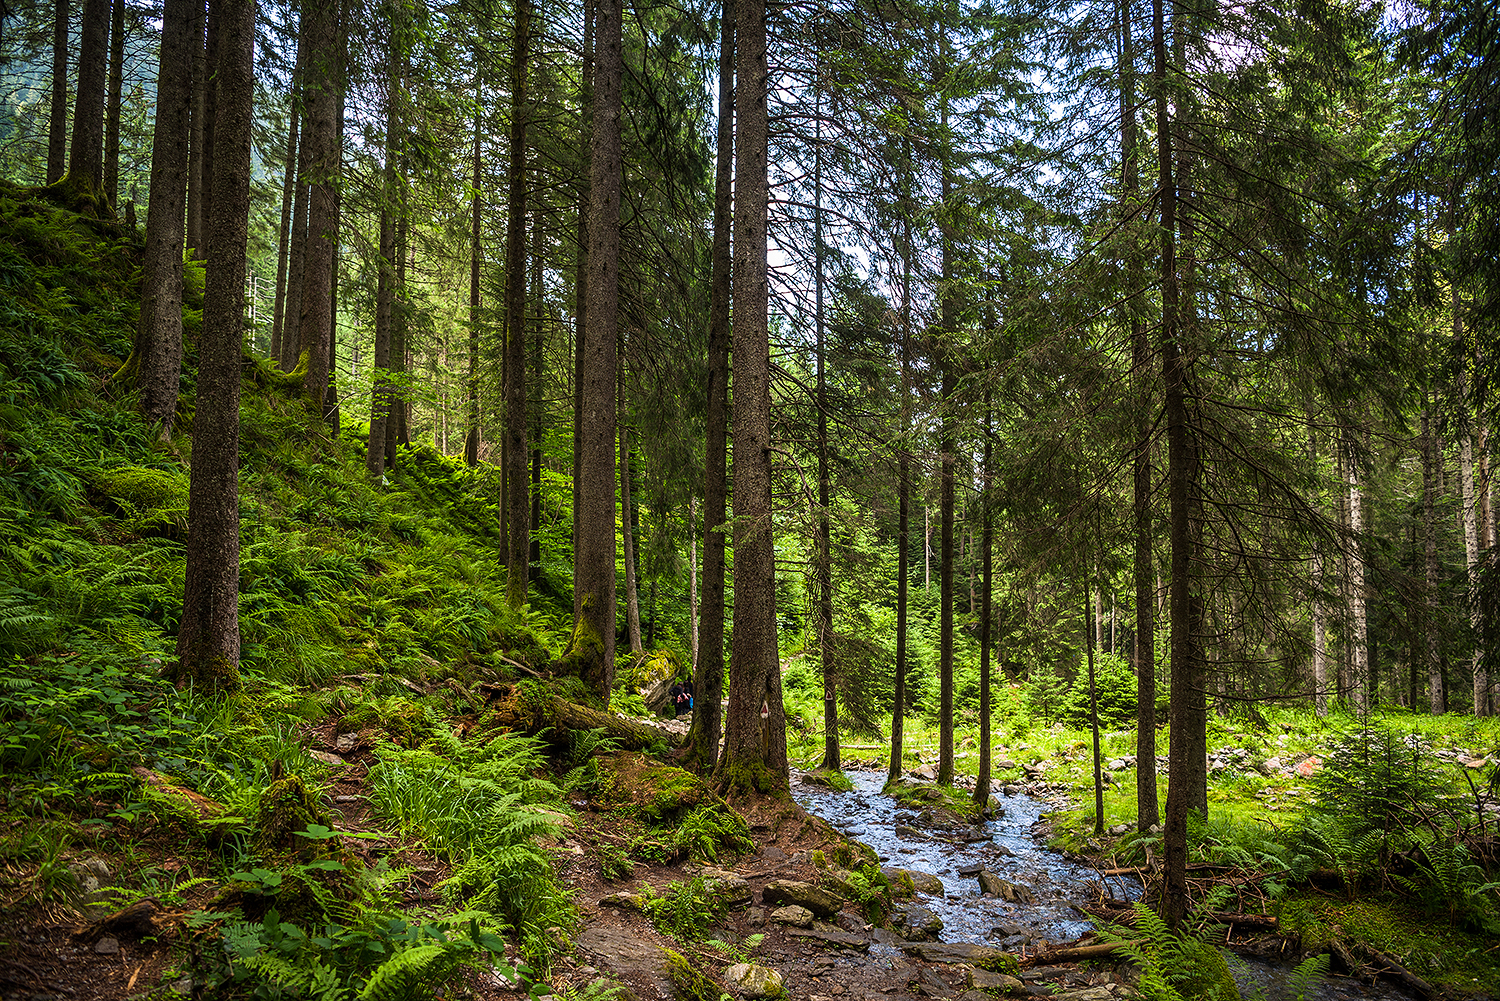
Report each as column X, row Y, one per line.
column 1008, row 846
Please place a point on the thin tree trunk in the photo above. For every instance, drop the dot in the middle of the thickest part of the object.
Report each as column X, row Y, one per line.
column 518, row 497
column 592, row 650
column 57, row 120
column 208, row 643
column 948, row 459
column 1319, row 610
column 627, row 528
column 1471, row 557
column 385, row 291
column 534, row 549
column 200, row 129
column 580, row 327
column 986, row 614
column 903, row 480
column 397, row 426
column 283, row 243
column 692, row 623
column 755, row 755
column 331, row 395
column 159, row 337
column 112, row 103
column 1359, row 661
column 823, row 562
column 1089, row 639
column 708, row 673
column 1436, row 694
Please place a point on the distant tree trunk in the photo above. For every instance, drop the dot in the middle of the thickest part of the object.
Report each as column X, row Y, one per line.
column 320, row 139
column 538, row 413
column 210, row 114
column 1471, row 557
column 476, row 253
column 627, row 528
column 1319, row 609
column 385, row 289
column 57, row 121
column 708, row 671
column 823, row 562
column 1359, row 648
column 1088, row 642
column 591, row 653
column 518, row 497
column 903, row 481
column 580, row 326
column 397, row 426
column 112, row 103
column 341, row 63
column 947, row 460
column 1436, row 694
column 199, row 98
column 159, row 336
column 208, row 641
column 986, row 614
column 755, row 755
column 283, row 243
column 692, row 623
column 86, row 150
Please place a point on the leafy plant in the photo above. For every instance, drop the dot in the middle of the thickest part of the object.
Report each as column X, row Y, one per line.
column 1174, row 966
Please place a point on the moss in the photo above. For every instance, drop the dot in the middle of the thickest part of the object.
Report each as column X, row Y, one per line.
column 752, row 777
column 286, row 808
column 830, row 778
column 214, row 673
column 672, row 792
column 691, row 982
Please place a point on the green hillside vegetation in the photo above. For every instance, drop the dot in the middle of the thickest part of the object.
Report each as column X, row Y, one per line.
column 380, row 613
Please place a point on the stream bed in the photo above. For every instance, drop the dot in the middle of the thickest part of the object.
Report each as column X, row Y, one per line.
column 1008, row 846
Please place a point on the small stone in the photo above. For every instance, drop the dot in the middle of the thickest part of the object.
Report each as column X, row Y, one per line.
column 624, row 901
column 793, row 914
column 183, row 986
column 107, row 946
column 1119, row 829
column 347, row 799
column 345, row 742
column 325, row 757
column 753, row 981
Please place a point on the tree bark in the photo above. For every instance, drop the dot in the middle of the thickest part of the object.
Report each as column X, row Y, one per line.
column 208, row 642
column 823, row 562
column 755, row 755
column 518, row 497
column 57, row 120
column 283, row 243
column 986, row 613
column 538, row 413
column 580, row 326
column 86, row 149
column 948, row 460
column 592, row 649
column 708, row 672
column 159, row 337
column 200, row 127
column 112, row 103
column 385, row 289
column 476, row 254
column 1319, row 610
column 1436, row 693
column 1359, row 649
column 320, row 139
column 903, row 480
column 627, row 529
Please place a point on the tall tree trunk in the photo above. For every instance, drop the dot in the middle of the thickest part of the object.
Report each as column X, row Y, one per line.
column 754, row 744
column 903, row 480
column 208, row 641
column 518, row 498
column 823, row 562
column 580, row 326
column 1471, row 557
column 210, row 112
column 1187, row 709
column 476, row 253
column 397, row 426
column 320, row 139
column 385, row 289
column 708, row 673
column 1148, row 809
column 1436, row 693
column 1319, row 609
column 986, row 613
column 86, row 149
column 57, row 120
column 948, row 460
column 1089, row 639
column 283, row 243
column 200, row 129
column 159, row 336
column 112, row 103
column 592, row 650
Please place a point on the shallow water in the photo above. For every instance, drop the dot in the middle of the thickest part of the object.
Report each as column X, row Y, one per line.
column 1008, row 847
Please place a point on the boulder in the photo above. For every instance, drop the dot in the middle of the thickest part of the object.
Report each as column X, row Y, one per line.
column 989, row 982
column 753, row 981
column 959, row 952
column 793, row 914
column 729, row 888
column 823, row 903
column 922, row 882
column 1004, row 888
column 916, row 923
column 624, row 901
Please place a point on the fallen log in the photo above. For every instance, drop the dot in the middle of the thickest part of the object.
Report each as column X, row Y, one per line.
column 1365, row 961
column 1072, row 953
column 530, row 709
column 1125, row 916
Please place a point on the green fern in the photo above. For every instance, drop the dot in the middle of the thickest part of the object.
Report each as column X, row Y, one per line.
column 412, row 973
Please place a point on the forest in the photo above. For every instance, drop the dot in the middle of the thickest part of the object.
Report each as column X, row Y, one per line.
column 563, row 499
